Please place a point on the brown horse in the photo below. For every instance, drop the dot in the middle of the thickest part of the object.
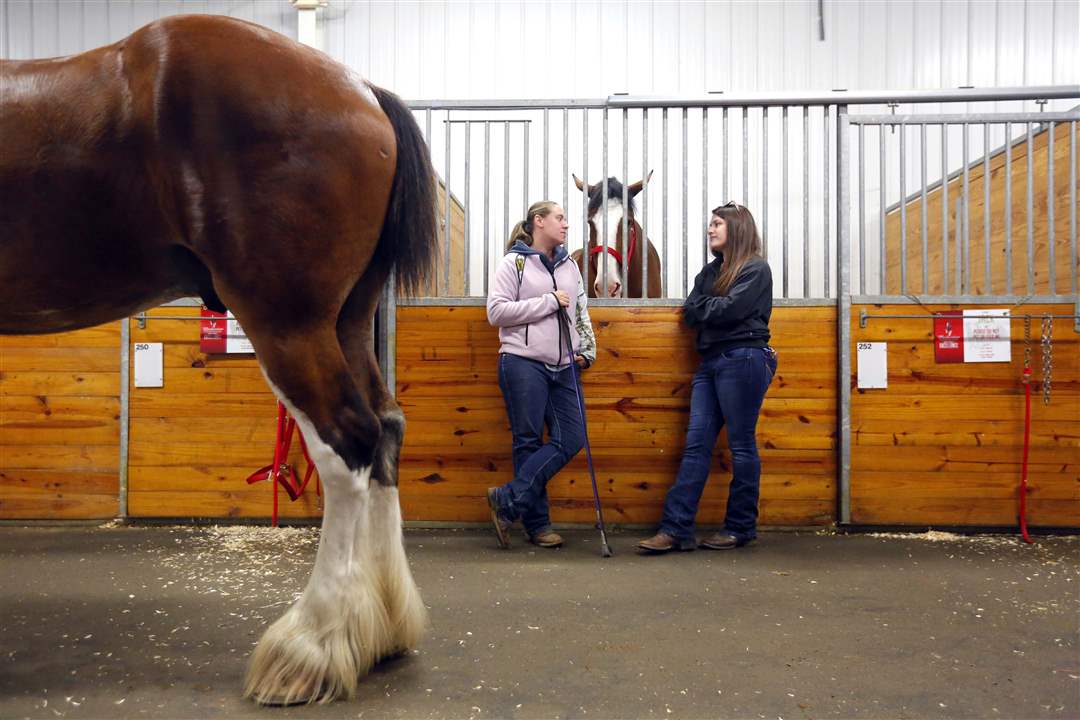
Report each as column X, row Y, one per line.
column 610, row 260
column 205, row 155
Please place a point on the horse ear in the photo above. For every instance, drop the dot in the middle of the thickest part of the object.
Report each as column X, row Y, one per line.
column 578, row 182
column 635, row 188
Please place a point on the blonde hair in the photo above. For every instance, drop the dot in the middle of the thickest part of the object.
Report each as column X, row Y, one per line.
column 523, row 230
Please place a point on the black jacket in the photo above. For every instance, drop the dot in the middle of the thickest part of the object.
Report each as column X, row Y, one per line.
column 738, row 319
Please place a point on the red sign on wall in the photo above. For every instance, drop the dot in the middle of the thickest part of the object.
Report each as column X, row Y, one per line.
column 213, row 332
column 948, row 338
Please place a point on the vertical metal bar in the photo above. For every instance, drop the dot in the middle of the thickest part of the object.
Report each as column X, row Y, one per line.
column 862, row 208
column 602, row 270
column 1075, row 259
column 724, row 134
column 625, row 280
column 944, row 209
column 427, row 125
column 925, row 215
column 487, row 201
column 1008, row 208
column 468, row 187
column 544, row 192
column 525, row 181
column 685, row 201
column 390, row 337
column 506, row 180
column 664, row 197
column 882, row 179
column 585, row 195
column 903, row 208
column 645, row 202
column 958, row 260
column 1030, row 210
column 825, row 161
column 566, row 159
column 125, row 413
column 843, row 302
column 784, row 197
column 446, row 207
column 965, row 252
column 705, row 184
column 745, row 155
column 988, row 280
column 765, row 182
column 1050, row 276
column 806, row 200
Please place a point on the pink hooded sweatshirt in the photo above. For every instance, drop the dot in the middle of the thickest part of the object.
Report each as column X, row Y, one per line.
column 522, row 305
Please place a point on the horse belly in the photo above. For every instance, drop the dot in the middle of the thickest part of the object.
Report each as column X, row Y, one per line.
column 73, row 250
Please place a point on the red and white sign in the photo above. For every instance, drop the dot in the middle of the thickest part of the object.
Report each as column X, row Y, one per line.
column 948, row 338
column 220, row 333
column 212, row 331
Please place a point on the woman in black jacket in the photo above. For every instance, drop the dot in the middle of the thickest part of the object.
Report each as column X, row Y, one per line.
column 729, row 307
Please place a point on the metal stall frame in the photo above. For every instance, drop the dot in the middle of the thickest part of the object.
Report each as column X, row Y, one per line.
column 841, row 102
column 838, row 122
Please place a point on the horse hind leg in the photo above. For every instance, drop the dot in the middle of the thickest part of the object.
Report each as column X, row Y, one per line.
column 339, row 627
column 383, row 544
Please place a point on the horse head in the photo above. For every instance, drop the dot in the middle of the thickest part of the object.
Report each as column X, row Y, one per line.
column 613, row 252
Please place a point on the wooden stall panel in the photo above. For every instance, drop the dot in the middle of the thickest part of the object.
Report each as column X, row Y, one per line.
column 194, row 441
column 457, row 442
column 942, row 445
column 60, row 425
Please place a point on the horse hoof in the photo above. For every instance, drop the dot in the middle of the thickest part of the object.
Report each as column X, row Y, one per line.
column 300, row 660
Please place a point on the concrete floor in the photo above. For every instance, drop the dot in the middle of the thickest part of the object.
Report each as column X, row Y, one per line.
column 123, row 622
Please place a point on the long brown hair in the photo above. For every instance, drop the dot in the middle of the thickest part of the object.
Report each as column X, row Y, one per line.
column 523, row 230
column 743, row 244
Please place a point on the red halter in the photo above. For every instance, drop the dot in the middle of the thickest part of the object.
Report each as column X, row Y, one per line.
column 615, row 253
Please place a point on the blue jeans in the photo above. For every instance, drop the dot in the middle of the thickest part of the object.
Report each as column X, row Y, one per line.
column 727, row 389
column 535, row 397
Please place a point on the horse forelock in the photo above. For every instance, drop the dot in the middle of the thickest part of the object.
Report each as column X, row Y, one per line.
column 614, row 192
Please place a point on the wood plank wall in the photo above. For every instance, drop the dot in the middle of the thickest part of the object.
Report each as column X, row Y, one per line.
column 458, row 440
column 942, row 444
column 60, row 424
column 980, row 283
column 195, row 440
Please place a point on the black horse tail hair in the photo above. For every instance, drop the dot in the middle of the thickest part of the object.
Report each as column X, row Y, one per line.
column 409, row 237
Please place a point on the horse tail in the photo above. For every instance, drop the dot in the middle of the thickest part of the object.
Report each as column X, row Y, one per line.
column 409, row 237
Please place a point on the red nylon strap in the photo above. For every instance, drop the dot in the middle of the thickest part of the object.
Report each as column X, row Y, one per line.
column 615, row 253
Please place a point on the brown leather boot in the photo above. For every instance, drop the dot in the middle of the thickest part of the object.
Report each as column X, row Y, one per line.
column 661, row 543
column 502, row 526
column 547, row 539
column 723, row 541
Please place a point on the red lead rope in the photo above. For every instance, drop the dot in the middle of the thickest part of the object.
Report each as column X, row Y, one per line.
column 1026, row 380
column 280, row 472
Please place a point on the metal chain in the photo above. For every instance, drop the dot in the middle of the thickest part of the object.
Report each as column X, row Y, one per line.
column 1047, row 356
column 1027, row 342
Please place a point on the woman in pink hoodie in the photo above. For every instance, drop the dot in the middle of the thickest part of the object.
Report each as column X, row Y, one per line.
column 534, row 285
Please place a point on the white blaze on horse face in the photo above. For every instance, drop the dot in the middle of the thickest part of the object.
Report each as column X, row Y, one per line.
column 614, row 212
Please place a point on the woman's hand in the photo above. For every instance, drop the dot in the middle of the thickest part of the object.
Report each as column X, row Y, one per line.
column 562, row 297
column 581, row 361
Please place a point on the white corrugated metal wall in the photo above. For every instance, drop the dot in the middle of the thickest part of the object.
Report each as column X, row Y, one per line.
column 534, row 49
column 556, row 48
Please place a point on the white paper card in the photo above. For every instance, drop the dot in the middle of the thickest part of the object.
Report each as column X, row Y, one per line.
column 872, row 365
column 148, row 365
column 235, row 339
column 986, row 336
